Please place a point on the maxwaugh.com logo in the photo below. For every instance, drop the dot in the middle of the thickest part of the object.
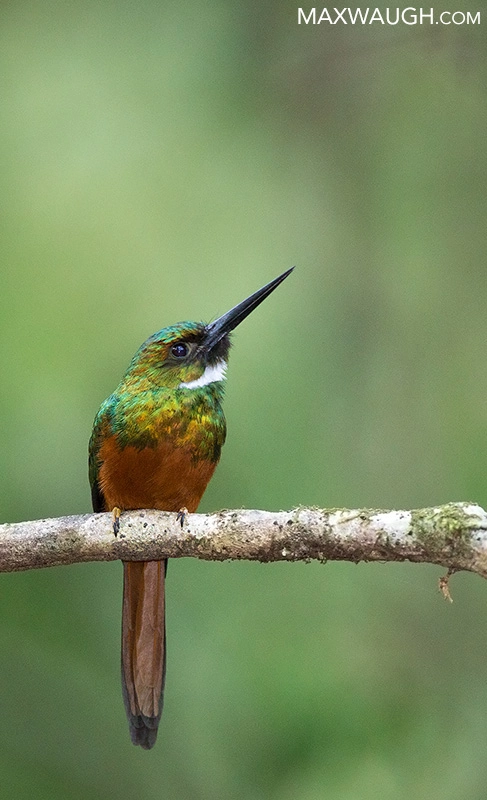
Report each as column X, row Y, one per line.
column 387, row 16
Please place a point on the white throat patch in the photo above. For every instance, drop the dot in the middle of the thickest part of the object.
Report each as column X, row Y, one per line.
column 212, row 374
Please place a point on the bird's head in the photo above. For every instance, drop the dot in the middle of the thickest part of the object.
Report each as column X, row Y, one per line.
column 189, row 355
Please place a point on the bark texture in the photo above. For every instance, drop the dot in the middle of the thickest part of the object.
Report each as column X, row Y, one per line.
column 452, row 535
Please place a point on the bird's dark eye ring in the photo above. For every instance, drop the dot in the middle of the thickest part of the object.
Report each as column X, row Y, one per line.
column 179, row 350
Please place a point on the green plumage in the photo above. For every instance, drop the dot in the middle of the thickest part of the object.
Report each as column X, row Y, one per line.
column 149, row 405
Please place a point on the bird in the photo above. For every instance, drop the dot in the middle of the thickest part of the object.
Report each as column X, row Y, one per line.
column 155, row 444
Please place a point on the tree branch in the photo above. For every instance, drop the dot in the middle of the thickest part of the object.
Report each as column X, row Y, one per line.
column 453, row 536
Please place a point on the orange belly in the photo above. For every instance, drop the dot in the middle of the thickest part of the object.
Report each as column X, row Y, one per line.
column 162, row 477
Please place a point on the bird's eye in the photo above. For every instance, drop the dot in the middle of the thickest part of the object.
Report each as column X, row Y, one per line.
column 179, row 350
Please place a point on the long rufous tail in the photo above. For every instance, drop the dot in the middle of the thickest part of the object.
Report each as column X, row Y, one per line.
column 143, row 648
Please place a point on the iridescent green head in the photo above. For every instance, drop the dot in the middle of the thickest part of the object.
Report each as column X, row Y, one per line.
column 189, row 355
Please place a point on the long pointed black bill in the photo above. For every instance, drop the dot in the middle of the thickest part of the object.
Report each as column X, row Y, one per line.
column 220, row 327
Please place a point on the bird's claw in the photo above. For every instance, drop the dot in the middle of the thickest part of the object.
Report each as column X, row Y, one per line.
column 181, row 515
column 116, row 513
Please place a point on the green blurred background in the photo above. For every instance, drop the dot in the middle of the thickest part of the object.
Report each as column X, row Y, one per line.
column 161, row 161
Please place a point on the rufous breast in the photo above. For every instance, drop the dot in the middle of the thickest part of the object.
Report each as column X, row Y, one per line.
column 163, row 476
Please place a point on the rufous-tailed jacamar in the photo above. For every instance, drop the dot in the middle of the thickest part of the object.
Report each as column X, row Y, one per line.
column 155, row 444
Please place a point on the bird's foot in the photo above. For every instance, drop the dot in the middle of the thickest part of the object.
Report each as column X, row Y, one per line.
column 116, row 513
column 181, row 515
